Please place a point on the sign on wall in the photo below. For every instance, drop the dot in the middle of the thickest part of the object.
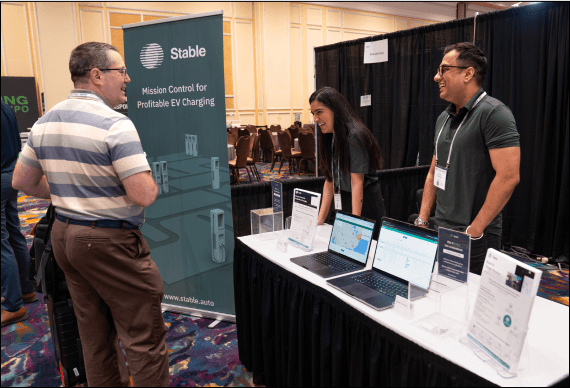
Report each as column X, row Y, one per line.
column 21, row 95
column 176, row 101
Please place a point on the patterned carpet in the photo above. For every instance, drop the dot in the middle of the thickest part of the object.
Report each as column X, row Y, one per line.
column 198, row 355
column 553, row 282
column 268, row 175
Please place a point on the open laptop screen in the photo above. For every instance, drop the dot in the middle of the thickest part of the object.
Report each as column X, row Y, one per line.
column 351, row 237
column 406, row 252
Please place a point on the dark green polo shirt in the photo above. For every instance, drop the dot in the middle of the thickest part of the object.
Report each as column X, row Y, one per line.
column 359, row 164
column 489, row 125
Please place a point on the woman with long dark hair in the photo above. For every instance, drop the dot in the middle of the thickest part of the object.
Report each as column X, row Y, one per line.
column 348, row 157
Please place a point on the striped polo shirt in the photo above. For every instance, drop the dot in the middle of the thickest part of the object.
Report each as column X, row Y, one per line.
column 85, row 149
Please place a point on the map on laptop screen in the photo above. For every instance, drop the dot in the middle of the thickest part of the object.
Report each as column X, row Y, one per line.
column 351, row 237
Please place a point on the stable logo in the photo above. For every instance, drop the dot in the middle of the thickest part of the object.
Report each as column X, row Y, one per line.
column 152, row 55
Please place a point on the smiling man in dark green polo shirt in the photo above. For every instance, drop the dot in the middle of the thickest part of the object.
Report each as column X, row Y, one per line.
column 475, row 167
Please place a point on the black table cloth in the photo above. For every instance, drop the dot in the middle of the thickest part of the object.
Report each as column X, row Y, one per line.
column 292, row 333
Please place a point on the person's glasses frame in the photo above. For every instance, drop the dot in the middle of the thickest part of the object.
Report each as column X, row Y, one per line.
column 122, row 70
column 440, row 71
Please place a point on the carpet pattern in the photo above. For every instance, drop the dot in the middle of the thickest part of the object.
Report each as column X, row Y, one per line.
column 269, row 175
column 198, row 355
column 553, row 282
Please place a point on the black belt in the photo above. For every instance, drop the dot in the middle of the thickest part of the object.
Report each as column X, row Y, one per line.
column 113, row 224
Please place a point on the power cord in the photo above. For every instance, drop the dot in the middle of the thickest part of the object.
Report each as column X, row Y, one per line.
column 549, row 263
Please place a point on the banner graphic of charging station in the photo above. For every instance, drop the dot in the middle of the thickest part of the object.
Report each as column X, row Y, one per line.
column 176, row 100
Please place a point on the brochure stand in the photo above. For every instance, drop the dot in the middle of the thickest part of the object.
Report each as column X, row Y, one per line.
column 497, row 328
column 403, row 304
column 451, row 306
column 283, row 236
column 516, row 352
column 306, row 206
column 265, row 223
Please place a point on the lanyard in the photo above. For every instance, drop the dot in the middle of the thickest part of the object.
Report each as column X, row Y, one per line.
column 88, row 96
column 452, row 140
column 336, row 183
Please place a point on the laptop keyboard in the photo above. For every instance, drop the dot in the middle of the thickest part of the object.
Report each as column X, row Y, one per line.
column 383, row 284
column 334, row 262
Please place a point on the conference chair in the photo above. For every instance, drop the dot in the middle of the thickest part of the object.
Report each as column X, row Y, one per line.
column 242, row 132
column 232, row 139
column 268, row 145
column 254, row 157
column 275, row 128
column 251, row 129
column 252, row 139
column 286, row 130
column 241, row 158
column 288, row 153
column 308, row 146
column 294, row 131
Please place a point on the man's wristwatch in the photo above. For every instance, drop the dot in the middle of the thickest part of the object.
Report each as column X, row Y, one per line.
column 420, row 222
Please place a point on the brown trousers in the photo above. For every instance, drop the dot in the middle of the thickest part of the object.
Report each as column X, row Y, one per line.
column 116, row 290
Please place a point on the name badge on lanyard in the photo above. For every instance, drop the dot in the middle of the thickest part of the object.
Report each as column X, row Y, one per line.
column 337, row 202
column 440, row 175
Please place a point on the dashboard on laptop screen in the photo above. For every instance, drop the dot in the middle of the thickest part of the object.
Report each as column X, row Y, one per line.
column 406, row 252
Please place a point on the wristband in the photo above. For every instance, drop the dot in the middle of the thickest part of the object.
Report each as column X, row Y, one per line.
column 474, row 238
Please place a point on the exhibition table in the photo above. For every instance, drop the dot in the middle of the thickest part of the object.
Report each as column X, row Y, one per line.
column 294, row 329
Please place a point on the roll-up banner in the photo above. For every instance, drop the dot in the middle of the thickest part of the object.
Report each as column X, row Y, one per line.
column 176, row 100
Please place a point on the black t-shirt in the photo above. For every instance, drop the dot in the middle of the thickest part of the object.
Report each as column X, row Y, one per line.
column 359, row 164
column 489, row 125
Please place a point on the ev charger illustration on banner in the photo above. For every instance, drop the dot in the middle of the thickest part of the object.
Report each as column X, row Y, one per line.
column 157, row 176
column 218, row 235
column 160, row 173
column 215, row 173
column 191, row 145
column 188, row 146
column 164, row 173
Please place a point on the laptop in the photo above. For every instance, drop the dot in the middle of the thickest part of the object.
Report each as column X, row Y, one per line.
column 404, row 253
column 348, row 249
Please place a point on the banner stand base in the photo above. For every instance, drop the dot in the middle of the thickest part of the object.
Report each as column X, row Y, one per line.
column 198, row 313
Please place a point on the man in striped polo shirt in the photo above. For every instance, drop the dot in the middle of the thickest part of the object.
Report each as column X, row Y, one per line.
column 89, row 160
